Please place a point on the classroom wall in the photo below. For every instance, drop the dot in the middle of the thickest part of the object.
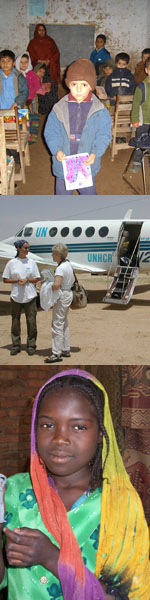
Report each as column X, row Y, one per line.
column 126, row 24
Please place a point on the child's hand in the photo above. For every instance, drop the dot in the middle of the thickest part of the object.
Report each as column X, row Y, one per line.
column 48, row 86
column 27, row 547
column 13, row 105
column 60, row 155
column 135, row 125
column 90, row 160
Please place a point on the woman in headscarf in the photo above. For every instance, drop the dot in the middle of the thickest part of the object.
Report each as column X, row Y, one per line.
column 76, row 527
column 22, row 272
column 42, row 48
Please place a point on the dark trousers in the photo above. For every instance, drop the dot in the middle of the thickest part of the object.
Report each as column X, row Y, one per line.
column 30, row 310
column 140, row 132
column 61, row 189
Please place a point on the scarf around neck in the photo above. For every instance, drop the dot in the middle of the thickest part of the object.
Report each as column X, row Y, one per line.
column 123, row 548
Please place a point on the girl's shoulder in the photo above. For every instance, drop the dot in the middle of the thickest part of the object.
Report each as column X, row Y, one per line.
column 17, row 482
column 32, row 76
column 19, row 498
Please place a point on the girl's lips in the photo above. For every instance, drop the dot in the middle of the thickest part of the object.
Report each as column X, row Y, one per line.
column 60, row 458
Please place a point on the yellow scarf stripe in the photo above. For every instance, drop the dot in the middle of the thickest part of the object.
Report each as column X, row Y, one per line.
column 124, row 538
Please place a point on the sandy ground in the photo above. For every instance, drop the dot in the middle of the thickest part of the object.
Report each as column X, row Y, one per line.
column 100, row 333
column 39, row 178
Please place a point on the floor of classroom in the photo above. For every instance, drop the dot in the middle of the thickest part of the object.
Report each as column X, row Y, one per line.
column 109, row 180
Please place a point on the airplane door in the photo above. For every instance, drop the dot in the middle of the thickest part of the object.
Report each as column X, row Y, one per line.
column 128, row 243
column 122, row 286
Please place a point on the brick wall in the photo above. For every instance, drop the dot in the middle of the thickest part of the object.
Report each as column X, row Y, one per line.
column 18, row 388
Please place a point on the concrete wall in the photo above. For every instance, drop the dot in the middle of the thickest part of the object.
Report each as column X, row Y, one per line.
column 126, row 24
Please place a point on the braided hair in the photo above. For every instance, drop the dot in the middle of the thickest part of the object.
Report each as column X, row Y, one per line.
column 95, row 397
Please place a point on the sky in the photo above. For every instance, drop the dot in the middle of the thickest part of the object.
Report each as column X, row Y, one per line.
column 17, row 211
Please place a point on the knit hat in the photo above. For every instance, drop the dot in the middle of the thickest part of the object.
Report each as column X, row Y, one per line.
column 41, row 65
column 81, row 70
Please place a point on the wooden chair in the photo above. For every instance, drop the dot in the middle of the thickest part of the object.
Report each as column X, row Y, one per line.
column 17, row 139
column 33, row 106
column 7, row 170
column 122, row 124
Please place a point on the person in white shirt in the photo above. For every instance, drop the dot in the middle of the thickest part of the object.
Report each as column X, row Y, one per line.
column 22, row 272
column 63, row 281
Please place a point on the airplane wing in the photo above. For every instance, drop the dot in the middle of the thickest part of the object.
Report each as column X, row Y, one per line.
column 90, row 269
column 7, row 251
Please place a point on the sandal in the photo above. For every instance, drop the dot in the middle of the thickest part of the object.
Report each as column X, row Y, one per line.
column 66, row 353
column 53, row 358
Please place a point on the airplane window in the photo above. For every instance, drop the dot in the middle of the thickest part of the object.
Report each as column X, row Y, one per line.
column 90, row 231
column 53, row 231
column 103, row 231
column 77, row 231
column 28, row 231
column 64, row 232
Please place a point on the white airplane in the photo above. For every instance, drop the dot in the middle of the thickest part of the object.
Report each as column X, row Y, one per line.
column 120, row 248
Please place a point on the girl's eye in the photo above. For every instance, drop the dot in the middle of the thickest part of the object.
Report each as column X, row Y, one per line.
column 79, row 427
column 47, row 426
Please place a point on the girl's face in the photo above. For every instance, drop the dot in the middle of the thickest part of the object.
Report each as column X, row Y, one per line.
column 67, row 433
column 40, row 73
column 24, row 63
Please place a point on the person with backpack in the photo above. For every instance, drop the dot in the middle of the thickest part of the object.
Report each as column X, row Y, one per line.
column 140, row 115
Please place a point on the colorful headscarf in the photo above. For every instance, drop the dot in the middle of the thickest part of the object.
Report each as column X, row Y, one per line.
column 123, row 550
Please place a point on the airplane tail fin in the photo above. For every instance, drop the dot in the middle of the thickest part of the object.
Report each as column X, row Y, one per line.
column 128, row 214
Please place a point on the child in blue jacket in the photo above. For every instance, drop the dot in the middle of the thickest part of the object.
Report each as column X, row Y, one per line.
column 100, row 54
column 13, row 85
column 78, row 123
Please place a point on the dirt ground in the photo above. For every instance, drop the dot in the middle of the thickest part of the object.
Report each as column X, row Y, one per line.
column 39, row 178
column 100, row 333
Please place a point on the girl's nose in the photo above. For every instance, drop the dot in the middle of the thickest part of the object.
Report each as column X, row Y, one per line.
column 62, row 437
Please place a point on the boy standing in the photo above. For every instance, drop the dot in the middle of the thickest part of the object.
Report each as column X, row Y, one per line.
column 13, row 86
column 121, row 80
column 78, row 123
column 100, row 54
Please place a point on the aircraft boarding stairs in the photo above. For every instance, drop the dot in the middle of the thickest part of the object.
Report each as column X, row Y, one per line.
column 127, row 270
column 122, row 286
